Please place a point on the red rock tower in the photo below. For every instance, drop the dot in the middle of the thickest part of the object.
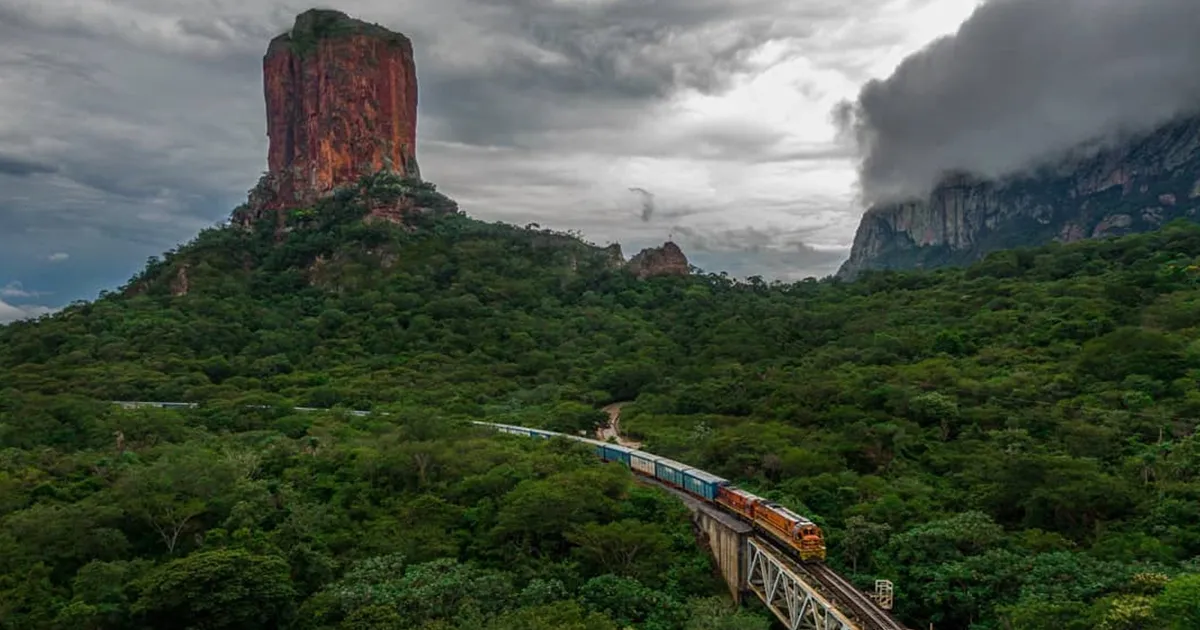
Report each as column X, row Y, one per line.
column 341, row 102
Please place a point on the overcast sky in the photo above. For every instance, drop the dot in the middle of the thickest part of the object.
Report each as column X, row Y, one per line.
column 126, row 126
column 1025, row 82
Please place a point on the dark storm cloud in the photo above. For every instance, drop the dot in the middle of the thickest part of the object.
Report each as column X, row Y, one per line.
column 45, row 63
column 647, row 198
column 546, row 67
column 151, row 134
column 649, row 208
column 128, row 125
column 1025, row 81
column 563, row 65
column 21, row 167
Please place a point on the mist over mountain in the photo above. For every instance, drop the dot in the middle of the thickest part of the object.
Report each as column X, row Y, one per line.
column 1023, row 83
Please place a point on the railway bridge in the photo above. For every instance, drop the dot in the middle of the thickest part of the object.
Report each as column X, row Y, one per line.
column 802, row 596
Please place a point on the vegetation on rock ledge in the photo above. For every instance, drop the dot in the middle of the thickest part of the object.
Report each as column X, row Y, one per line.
column 315, row 25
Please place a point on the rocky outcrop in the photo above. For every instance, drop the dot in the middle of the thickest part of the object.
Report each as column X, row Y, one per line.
column 180, row 285
column 1137, row 186
column 341, row 98
column 667, row 260
column 613, row 257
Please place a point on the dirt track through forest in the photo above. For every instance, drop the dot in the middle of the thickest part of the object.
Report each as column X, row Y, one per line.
column 613, row 429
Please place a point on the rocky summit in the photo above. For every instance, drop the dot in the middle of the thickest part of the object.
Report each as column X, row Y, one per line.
column 341, row 97
column 667, row 260
column 1133, row 187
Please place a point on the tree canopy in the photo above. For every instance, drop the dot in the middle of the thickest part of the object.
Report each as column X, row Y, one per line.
column 1012, row 443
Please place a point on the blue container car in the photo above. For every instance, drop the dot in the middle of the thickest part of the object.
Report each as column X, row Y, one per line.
column 669, row 471
column 701, row 483
column 616, row 453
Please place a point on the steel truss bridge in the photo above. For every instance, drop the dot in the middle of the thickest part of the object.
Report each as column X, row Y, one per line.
column 813, row 597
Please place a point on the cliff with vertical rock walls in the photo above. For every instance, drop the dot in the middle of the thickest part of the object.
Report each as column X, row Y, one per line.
column 1135, row 186
column 341, row 97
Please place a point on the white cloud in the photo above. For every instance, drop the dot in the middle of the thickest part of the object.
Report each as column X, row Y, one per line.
column 15, row 289
column 10, row 313
column 58, row 257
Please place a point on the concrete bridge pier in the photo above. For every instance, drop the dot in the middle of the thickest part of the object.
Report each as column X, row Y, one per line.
column 723, row 535
column 725, row 539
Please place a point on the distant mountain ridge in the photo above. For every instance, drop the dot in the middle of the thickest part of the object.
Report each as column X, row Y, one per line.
column 1135, row 187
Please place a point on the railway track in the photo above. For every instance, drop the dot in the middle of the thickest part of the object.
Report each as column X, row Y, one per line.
column 839, row 591
column 859, row 603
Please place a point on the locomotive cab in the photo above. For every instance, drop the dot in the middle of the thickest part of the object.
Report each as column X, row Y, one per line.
column 810, row 541
column 797, row 532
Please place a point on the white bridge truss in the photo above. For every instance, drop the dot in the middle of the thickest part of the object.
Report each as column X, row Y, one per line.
column 883, row 594
column 798, row 605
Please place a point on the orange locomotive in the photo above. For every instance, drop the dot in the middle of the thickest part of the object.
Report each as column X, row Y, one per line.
column 796, row 531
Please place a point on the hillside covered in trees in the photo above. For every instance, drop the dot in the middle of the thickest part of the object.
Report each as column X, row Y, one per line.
column 1011, row 443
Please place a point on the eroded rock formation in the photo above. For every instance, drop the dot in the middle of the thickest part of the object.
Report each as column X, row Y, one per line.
column 341, row 97
column 667, row 260
column 1134, row 187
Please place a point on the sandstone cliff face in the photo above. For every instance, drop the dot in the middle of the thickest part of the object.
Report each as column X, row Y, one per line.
column 1134, row 187
column 667, row 260
column 341, row 100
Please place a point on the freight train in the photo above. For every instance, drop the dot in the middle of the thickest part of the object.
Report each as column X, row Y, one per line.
column 782, row 524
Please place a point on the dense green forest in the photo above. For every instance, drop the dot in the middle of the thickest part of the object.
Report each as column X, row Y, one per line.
column 1011, row 443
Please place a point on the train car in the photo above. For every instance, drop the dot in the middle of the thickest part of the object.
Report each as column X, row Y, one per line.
column 670, row 471
column 702, row 484
column 617, row 453
column 737, row 500
column 643, row 462
column 513, row 429
column 522, row 431
column 798, row 532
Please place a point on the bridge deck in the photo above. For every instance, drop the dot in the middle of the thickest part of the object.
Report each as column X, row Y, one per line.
column 694, row 504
